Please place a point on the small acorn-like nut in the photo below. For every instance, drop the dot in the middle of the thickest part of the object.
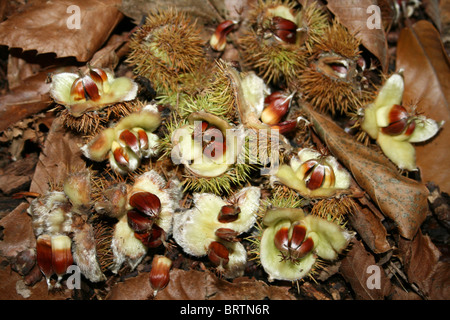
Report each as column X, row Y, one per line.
column 330, row 177
column 285, row 30
column 214, row 149
column 84, row 88
column 285, row 127
column 278, row 106
column 61, row 255
column 147, row 203
column 398, row 121
column 152, row 238
column 143, row 139
column 139, row 222
column 228, row 214
column 297, row 236
column 316, row 177
column 100, row 77
column 290, row 240
column 303, row 249
column 281, row 239
column 166, row 195
column 130, row 140
column 123, row 160
column 44, row 256
column 218, row 40
column 97, row 74
column 120, row 155
column 218, row 254
column 316, row 173
column 77, row 92
column 306, row 168
column 227, row 234
column 215, row 145
column 160, row 273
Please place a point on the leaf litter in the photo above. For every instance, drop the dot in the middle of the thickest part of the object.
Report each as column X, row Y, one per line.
column 401, row 221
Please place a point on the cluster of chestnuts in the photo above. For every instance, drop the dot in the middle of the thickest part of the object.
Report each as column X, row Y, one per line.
column 219, row 133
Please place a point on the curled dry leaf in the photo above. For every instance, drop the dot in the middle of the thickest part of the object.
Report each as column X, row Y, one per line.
column 357, row 267
column 370, row 228
column 426, row 66
column 53, row 26
column 357, row 18
column 402, row 199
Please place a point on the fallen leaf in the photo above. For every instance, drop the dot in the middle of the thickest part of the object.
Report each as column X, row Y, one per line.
column 433, row 11
column 17, row 175
column 355, row 16
column 198, row 285
column 51, row 26
column 370, row 228
column 109, row 55
column 12, row 287
column 28, row 99
column 422, row 266
column 19, row 69
column 439, row 205
column 426, row 66
column 402, row 199
column 368, row 281
column 60, row 155
column 17, row 232
column 438, row 284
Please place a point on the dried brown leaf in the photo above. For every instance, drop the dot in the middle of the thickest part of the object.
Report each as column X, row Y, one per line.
column 356, row 269
column 354, row 15
column 17, row 232
column 17, row 175
column 19, row 69
column 402, row 199
column 198, row 285
column 432, row 9
column 60, row 155
column 420, row 259
column 45, row 26
column 30, row 98
column 109, row 55
column 426, row 66
column 13, row 287
column 370, row 228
